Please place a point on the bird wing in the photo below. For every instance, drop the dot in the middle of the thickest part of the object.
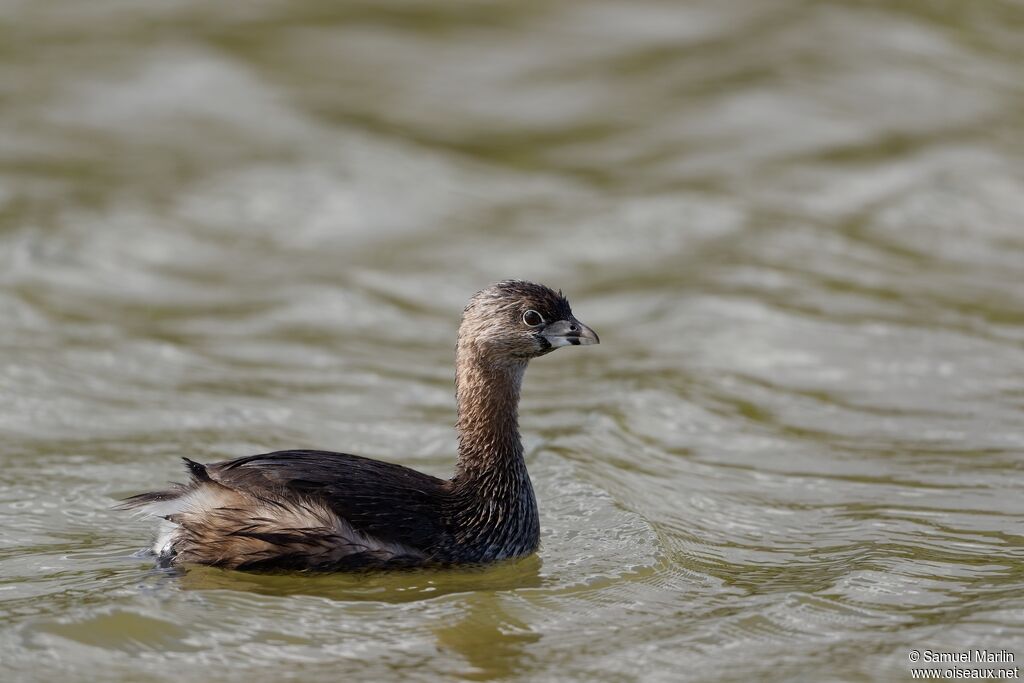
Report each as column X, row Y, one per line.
column 380, row 499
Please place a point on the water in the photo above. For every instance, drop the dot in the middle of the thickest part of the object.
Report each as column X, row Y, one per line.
column 798, row 227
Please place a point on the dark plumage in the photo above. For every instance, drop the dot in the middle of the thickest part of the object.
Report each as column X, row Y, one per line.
column 325, row 511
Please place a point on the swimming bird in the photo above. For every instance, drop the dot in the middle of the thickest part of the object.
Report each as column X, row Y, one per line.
column 325, row 511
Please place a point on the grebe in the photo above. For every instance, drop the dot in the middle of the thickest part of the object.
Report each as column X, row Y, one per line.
column 324, row 511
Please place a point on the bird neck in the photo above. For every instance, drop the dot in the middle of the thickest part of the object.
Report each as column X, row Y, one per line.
column 488, row 425
column 495, row 510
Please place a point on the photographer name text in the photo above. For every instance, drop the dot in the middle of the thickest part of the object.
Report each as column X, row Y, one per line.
column 968, row 656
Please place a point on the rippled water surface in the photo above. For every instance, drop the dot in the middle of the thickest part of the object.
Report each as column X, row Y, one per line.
column 798, row 227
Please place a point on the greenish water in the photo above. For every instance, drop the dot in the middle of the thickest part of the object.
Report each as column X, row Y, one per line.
column 798, row 227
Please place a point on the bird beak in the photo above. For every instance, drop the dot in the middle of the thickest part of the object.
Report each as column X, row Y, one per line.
column 569, row 332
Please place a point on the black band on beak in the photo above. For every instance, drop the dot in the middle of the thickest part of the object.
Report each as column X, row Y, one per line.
column 570, row 332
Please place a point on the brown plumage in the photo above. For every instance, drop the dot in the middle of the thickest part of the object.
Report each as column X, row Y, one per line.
column 319, row 510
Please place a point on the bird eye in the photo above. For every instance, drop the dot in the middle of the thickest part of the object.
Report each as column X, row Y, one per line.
column 533, row 318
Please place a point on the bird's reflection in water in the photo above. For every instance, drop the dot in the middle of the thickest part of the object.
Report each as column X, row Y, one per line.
column 491, row 640
column 477, row 626
column 388, row 587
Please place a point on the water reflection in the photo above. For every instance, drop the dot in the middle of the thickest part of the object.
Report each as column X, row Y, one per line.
column 489, row 638
column 391, row 587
